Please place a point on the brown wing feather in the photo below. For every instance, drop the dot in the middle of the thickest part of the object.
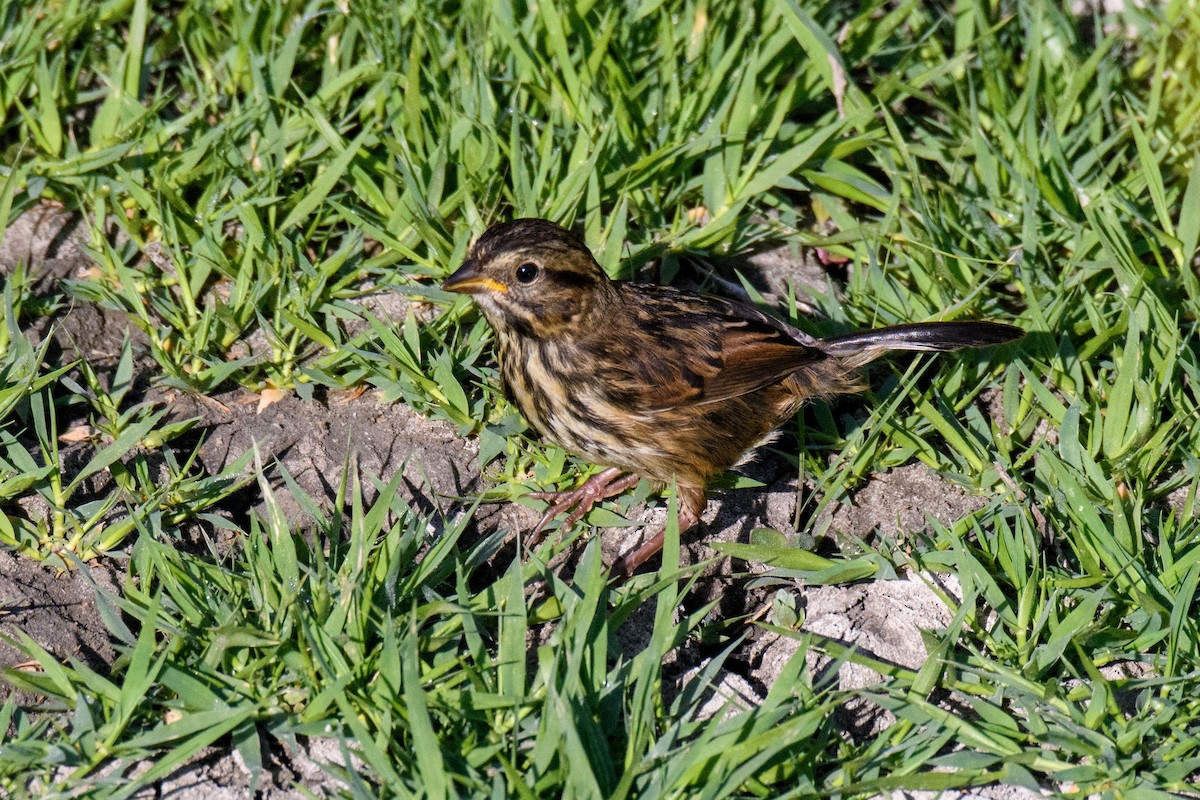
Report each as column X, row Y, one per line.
column 718, row 349
column 753, row 358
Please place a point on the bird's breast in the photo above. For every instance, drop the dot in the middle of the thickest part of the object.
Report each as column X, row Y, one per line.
column 568, row 403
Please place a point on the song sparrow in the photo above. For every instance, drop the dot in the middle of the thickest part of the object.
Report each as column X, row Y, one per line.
column 651, row 381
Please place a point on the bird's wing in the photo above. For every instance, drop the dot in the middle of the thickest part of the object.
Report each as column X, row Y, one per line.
column 701, row 349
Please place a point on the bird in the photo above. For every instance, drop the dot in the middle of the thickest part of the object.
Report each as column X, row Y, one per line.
column 651, row 381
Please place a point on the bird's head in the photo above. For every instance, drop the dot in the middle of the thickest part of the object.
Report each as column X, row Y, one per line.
column 532, row 276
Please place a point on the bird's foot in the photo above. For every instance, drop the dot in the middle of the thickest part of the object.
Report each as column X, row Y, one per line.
column 691, row 506
column 580, row 501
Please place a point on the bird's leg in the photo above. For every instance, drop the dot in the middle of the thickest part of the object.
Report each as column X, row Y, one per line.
column 691, row 506
column 581, row 500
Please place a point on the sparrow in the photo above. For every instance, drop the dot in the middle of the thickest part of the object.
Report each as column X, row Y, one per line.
column 651, row 381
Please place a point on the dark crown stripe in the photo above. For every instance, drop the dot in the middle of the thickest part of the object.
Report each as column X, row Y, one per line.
column 519, row 233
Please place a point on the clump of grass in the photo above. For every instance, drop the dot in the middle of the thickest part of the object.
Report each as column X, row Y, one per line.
column 58, row 509
column 367, row 629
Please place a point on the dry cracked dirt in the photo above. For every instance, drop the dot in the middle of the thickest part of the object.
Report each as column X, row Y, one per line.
column 59, row 611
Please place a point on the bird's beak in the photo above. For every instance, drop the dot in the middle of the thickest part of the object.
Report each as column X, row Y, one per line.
column 469, row 280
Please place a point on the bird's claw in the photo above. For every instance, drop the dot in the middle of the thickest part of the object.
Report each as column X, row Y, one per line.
column 579, row 501
column 691, row 506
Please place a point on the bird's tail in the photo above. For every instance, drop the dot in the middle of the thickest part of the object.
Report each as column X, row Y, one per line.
column 839, row 374
column 939, row 337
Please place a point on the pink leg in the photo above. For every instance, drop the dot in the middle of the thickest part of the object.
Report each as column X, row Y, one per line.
column 691, row 506
column 580, row 501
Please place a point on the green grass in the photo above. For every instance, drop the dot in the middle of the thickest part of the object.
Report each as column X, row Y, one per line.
column 249, row 172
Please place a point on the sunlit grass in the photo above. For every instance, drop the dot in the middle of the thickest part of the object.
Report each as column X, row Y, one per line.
column 248, row 173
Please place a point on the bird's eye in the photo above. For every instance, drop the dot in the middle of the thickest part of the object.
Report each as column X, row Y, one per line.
column 527, row 272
